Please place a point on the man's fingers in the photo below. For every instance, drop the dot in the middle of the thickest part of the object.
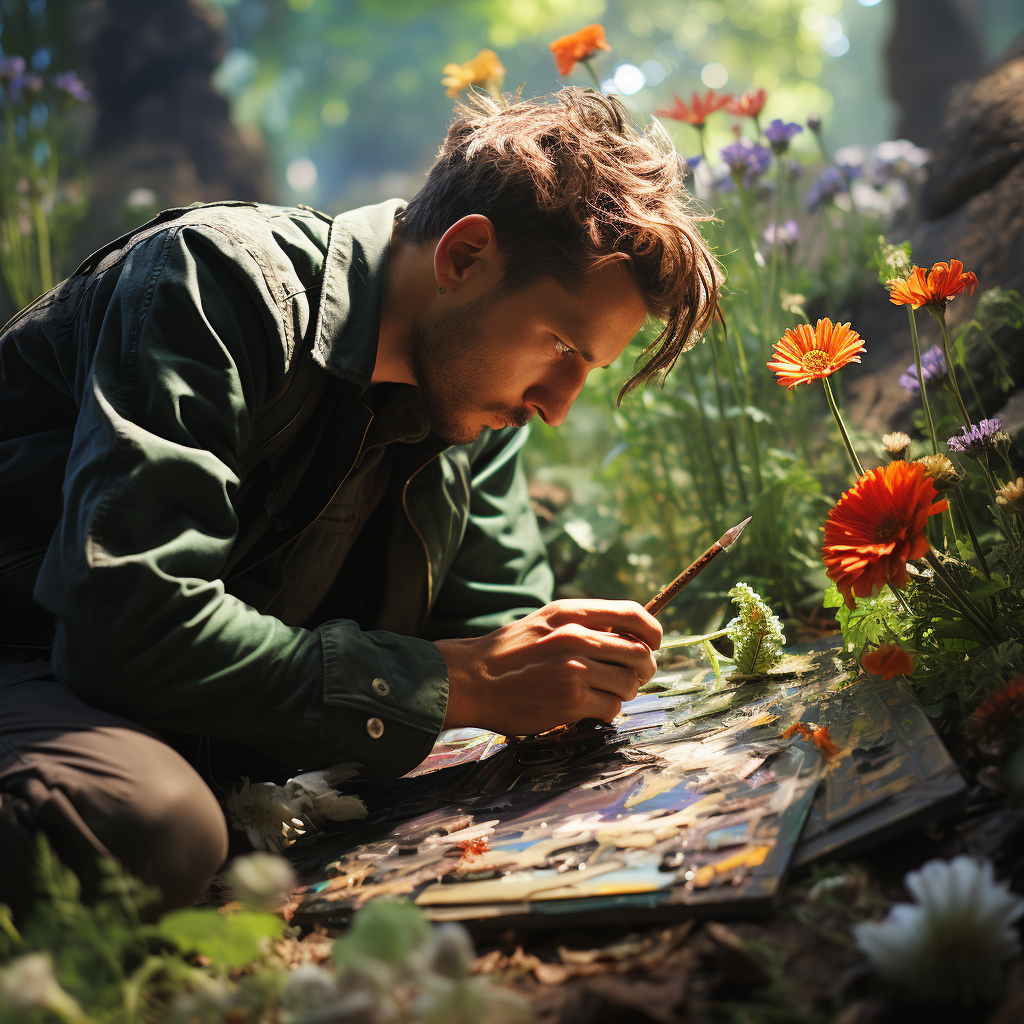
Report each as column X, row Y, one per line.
column 613, row 648
column 602, row 705
column 617, row 616
column 623, row 683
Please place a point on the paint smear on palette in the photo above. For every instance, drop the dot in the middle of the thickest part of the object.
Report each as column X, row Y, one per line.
column 690, row 802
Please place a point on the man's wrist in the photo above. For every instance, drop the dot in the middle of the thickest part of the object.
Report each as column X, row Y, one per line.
column 460, row 712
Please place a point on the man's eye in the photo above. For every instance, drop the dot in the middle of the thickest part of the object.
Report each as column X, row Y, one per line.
column 562, row 349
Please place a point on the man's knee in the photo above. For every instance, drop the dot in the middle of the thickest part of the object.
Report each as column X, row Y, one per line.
column 175, row 838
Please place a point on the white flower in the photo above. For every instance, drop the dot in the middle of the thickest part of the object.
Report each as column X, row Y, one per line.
column 260, row 878
column 273, row 816
column 951, row 943
column 28, row 983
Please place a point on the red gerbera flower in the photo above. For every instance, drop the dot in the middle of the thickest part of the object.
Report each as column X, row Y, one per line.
column 579, row 46
column 1000, row 713
column 877, row 527
column 749, row 103
column 698, row 110
column 803, row 354
column 817, row 735
column 933, row 287
column 887, row 661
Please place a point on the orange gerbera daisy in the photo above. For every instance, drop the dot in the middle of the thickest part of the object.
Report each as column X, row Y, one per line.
column 803, row 354
column 877, row 527
column 887, row 661
column 579, row 46
column 484, row 69
column 699, row 108
column 749, row 103
column 933, row 287
column 1000, row 713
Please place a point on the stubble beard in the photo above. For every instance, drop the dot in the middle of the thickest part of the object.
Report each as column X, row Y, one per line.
column 450, row 377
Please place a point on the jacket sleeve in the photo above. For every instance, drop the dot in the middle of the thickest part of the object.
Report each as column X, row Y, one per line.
column 501, row 571
column 191, row 340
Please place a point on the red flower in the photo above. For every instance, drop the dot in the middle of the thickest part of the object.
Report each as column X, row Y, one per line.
column 803, row 355
column 698, row 110
column 579, row 46
column 877, row 527
column 1000, row 713
column 887, row 661
column 749, row 104
column 933, row 287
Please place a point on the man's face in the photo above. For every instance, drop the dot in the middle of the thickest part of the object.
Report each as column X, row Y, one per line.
column 505, row 356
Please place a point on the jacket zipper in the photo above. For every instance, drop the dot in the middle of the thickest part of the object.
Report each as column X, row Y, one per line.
column 348, row 473
column 412, row 523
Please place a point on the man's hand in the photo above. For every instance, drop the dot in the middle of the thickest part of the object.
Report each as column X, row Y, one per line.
column 566, row 661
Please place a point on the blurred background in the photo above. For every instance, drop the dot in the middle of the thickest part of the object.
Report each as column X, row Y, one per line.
column 116, row 109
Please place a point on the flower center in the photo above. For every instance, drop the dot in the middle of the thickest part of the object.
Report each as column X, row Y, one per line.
column 815, row 361
column 888, row 528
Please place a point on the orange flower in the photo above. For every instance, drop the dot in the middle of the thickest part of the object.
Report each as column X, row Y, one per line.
column 877, row 527
column 933, row 287
column 579, row 46
column 803, row 355
column 818, row 735
column 887, row 661
column 749, row 103
column 1000, row 713
column 698, row 110
column 484, row 69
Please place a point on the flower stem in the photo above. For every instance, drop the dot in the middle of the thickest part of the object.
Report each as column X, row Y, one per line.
column 857, row 467
column 730, row 434
column 592, row 73
column 689, row 641
column 712, row 655
column 899, row 597
column 772, row 303
column 711, row 455
column 940, row 315
column 963, row 601
column 920, row 380
column 961, row 505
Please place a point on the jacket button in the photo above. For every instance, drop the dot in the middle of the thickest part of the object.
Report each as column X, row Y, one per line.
column 380, row 687
column 375, row 727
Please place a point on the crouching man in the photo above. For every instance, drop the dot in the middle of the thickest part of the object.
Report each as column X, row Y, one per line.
column 260, row 495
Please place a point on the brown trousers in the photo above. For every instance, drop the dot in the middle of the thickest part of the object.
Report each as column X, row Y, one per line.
column 97, row 785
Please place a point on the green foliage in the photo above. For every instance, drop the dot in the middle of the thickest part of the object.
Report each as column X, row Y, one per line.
column 756, row 633
column 385, row 931
column 997, row 309
column 226, row 940
column 872, row 620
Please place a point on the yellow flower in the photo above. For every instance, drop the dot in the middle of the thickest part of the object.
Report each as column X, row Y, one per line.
column 484, row 69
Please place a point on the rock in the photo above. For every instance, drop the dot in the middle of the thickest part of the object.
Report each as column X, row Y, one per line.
column 981, row 138
column 163, row 135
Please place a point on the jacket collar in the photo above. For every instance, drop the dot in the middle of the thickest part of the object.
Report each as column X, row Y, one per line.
column 355, row 270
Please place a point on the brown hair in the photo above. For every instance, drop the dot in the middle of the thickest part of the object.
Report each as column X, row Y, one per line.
column 567, row 181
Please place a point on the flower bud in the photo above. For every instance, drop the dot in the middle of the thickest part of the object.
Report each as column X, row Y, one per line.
column 1011, row 495
column 260, row 878
column 452, row 955
column 896, row 444
column 943, row 473
column 28, row 983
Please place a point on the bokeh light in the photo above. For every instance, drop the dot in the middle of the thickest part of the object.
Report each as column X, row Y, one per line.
column 629, row 79
column 714, row 75
column 301, row 174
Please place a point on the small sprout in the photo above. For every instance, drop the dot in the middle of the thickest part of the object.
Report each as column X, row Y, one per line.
column 756, row 633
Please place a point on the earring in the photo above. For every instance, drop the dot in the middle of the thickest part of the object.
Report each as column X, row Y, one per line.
column 441, row 290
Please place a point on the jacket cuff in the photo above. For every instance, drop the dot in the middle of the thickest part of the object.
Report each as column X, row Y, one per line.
column 385, row 697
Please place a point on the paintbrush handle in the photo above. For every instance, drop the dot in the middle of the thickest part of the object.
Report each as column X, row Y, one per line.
column 662, row 598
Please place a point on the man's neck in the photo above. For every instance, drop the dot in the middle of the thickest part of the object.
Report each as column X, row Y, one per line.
column 409, row 285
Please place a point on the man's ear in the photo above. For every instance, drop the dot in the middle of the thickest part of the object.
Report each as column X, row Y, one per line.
column 468, row 249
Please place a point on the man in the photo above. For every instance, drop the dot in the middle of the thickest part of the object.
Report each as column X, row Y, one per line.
column 259, row 487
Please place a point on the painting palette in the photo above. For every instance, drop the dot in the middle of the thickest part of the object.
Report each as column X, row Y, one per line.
column 692, row 802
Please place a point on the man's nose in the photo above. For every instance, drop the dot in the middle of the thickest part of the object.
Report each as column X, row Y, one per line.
column 553, row 398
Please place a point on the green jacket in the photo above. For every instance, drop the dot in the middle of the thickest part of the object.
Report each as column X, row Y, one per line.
column 176, row 412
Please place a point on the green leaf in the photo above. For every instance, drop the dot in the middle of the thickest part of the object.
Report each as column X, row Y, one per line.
column 832, row 598
column 988, row 588
column 383, row 930
column 228, row 940
column 868, row 621
column 756, row 633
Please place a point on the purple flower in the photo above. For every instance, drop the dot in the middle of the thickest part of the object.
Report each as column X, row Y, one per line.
column 69, row 82
column 784, row 234
column 933, row 366
column 980, row 438
column 746, row 159
column 831, row 182
column 19, row 83
column 780, row 133
column 11, row 67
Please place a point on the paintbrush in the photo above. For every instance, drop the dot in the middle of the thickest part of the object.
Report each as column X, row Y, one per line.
column 662, row 598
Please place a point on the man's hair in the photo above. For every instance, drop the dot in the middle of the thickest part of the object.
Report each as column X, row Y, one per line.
column 569, row 181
